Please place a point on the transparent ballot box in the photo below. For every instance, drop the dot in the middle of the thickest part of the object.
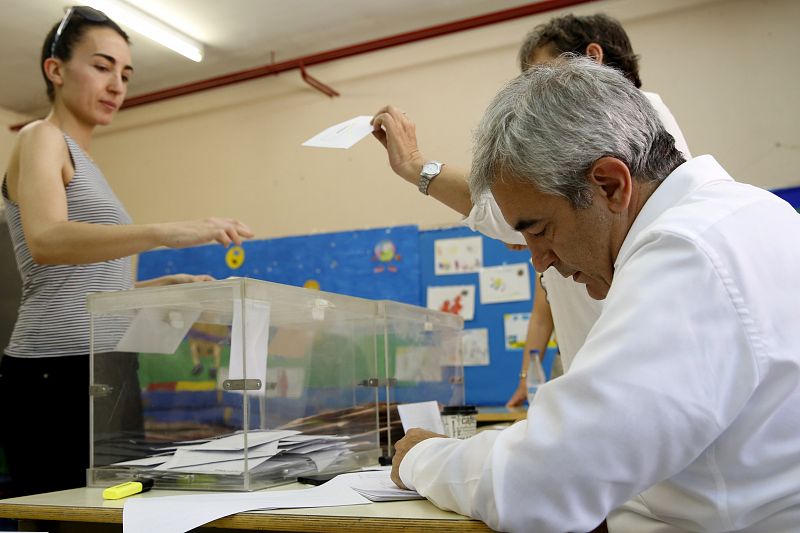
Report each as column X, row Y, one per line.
column 243, row 384
column 419, row 352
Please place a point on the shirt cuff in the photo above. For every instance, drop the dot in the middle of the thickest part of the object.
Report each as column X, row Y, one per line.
column 407, row 464
column 486, row 218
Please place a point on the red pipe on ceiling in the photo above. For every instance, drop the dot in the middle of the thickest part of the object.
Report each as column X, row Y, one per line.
column 347, row 51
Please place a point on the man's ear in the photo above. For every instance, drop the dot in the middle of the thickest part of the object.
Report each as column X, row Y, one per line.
column 595, row 51
column 52, row 69
column 612, row 177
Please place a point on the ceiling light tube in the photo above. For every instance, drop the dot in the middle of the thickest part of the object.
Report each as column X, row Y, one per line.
column 147, row 25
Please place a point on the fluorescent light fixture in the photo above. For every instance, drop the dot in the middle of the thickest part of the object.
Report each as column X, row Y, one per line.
column 126, row 15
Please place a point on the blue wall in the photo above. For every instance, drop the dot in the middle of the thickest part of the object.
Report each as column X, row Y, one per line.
column 386, row 263
column 377, row 264
column 791, row 195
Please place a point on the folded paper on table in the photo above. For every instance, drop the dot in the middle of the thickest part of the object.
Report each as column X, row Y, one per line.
column 178, row 514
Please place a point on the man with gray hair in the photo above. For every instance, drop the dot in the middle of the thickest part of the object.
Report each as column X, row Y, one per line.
column 680, row 411
column 561, row 306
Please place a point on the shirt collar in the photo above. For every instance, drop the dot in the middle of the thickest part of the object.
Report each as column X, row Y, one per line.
column 684, row 180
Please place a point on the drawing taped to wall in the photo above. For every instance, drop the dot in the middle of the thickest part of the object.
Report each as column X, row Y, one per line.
column 515, row 326
column 475, row 347
column 505, row 283
column 458, row 256
column 455, row 299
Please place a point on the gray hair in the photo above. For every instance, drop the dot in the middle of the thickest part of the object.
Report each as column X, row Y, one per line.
column 549, row 125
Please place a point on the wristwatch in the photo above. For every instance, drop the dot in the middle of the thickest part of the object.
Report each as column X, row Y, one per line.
column 430, row 170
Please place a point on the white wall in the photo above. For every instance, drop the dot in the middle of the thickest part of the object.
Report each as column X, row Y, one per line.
column 727, row 69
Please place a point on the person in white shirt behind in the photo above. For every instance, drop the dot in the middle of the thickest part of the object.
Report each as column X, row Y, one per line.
column 566, row 307
column 679, row 412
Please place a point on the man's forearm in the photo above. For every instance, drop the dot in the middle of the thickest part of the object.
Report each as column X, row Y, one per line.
column 450, row 187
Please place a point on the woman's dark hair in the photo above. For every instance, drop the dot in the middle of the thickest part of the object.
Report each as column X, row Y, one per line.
column 573, row 34
column 72, row 32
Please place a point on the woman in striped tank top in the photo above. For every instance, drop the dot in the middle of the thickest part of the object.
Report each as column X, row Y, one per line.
column 72, row 236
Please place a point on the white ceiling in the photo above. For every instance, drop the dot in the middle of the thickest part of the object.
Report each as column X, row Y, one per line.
column 238, row 35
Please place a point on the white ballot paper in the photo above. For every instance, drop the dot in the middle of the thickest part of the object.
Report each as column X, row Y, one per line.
column 264, row 449
column 178, row 514
column 157, row 330
column 343, row 135
column 236, row 441
column 256, row 330
column 377, row 486
column 423, row 415
column 225, row 460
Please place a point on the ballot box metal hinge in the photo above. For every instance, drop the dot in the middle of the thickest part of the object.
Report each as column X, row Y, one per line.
column 375, row 382
column 242, row 384
column 100, row 390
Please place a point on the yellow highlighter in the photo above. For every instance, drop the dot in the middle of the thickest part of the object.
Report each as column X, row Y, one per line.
column 123, row 490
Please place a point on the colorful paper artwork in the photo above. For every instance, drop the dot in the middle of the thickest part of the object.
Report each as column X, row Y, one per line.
column 456, row 299
column 458, row 256
column 515, row 326
column 505, row 283
column 475, row 347
column 385, row 257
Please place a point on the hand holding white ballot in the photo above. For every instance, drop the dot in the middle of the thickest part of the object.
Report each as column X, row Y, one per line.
column 342, row 135
column 424, row 415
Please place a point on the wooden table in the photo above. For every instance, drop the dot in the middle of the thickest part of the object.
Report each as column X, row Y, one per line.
column 500, row 414
column 84, row 510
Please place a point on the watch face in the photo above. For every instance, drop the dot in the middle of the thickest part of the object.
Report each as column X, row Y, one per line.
column 429, row 168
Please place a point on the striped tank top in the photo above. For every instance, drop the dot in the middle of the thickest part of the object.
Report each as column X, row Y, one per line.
column 53, row 320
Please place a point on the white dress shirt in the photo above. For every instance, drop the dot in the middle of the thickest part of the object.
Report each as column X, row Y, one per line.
column 681, row 412
column 574, row 311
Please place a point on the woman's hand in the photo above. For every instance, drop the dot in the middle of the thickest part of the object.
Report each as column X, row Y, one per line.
column 225, row 231
column 520, row 395
column 173, row 279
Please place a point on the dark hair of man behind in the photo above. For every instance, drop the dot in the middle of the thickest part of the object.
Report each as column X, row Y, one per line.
column 70, row 36
column 573, row 34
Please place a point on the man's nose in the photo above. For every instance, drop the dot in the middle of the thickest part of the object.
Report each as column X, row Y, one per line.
column 541, row 256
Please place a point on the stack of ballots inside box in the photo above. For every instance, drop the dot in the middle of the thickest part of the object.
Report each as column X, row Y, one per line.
column 265, row 450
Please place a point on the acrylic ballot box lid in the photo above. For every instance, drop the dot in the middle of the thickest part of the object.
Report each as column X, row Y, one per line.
column 243, row 384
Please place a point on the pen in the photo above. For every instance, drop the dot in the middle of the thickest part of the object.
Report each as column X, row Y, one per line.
column 126, row 489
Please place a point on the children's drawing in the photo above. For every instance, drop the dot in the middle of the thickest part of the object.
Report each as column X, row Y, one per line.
column 475, row 347
column 455, row 299
column 458, row 256
column 505, row 283
column 516, row 330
